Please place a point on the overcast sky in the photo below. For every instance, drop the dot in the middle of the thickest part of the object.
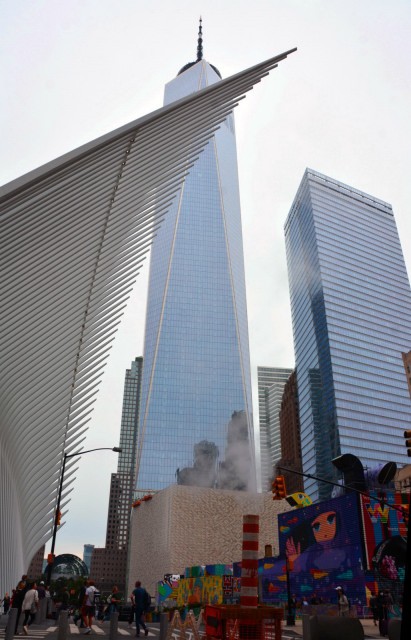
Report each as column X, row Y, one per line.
column 72, row 70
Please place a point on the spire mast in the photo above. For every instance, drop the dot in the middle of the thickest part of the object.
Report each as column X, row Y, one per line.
column 200, row 42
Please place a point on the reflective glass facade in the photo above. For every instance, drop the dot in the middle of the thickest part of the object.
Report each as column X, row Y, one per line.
column 271, row 383
column 351, row 311
column 122, row 483
column 196, row 357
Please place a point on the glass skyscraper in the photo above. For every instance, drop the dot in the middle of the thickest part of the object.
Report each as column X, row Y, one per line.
column 196, row 375
column 122, row 483
column 271, row 383
column 109, row 564
column 351, row 312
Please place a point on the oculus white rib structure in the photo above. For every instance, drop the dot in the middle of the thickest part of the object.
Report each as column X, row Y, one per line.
column 73, row 237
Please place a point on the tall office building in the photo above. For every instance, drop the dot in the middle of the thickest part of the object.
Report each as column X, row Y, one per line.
column 196, row 355
column 290, row 437
column 271, row 383
column 109, row 563
column 87, row 553
column 351, row 312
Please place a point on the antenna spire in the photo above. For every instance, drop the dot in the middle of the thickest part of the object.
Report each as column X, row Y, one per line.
column 200, row 42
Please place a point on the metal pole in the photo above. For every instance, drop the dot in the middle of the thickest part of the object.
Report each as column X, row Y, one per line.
column 56, row 515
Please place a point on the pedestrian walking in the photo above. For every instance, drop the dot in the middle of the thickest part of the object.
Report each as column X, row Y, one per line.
column 132, row 612
column 92, row 598
column 81, row 605
column 6, row 603
column 41, row 590
column 343, row 604
column 17, row 601
column 113, row 602
column 374, row 607
column 140, row 600
column 29, row 606
column 384, row 601
column 64, row 602
column 293, row 608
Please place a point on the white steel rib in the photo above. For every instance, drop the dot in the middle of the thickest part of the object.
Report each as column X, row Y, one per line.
column 74, row 234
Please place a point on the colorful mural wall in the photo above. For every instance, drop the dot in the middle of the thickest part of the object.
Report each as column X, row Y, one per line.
column 385, row 533
column 323, row 547
column 167, row 589
column 351, row 541
column 212, row 589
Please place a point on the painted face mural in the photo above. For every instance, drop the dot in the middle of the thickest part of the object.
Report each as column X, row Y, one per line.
column 322, row 544
column 324, row 526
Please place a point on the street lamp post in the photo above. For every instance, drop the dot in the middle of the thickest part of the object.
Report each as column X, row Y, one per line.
column 57, row 514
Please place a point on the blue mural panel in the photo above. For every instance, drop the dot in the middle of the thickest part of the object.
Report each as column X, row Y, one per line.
column 323, row 547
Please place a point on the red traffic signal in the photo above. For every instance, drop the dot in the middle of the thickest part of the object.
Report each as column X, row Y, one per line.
column 407, row 436
column 278, row 488
column 50, row 558
column 58, row 518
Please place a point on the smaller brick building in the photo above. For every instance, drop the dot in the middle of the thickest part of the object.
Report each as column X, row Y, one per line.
column 290, row 436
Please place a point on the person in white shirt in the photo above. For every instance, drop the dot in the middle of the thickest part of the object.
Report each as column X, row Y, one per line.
column 343, row 604
column 89, row 608
column 29, row 606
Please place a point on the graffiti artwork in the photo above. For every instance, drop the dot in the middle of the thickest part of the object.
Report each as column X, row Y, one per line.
column 385, row 541
column 323, row 548
column 201, row 590
column 168, row 588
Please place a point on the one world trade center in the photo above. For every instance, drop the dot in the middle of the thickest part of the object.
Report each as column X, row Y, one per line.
column 196, row 423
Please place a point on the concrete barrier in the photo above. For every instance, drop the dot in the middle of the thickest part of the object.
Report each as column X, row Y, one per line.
column 113, row 625
column 63, row 625
column 163, row 626
column 332, row 628
column 11, row 624
column 41, row 613
column 394, row 629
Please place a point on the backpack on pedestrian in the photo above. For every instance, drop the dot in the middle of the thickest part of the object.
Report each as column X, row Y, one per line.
column 146, row 601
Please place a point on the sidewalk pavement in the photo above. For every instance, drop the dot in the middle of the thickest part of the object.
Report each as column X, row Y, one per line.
column 370, row 630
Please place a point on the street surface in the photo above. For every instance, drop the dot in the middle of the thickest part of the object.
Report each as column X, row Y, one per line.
column 48, row 631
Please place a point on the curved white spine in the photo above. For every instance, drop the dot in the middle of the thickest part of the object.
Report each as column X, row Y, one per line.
column 74, row 234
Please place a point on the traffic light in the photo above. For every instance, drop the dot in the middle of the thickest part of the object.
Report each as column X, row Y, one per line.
column 50, row 558
column 278, row 488
column 58, row 518
column 407, row 436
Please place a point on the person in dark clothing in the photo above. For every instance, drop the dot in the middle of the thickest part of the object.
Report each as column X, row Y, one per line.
column 293, row 608
column 6, row 602
column 41, row 590
column 82, row 604
column 18, row 599
column 139, row 598
column 64, row 602
column 374, row 607
column 382, row 604
column 113, row 602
